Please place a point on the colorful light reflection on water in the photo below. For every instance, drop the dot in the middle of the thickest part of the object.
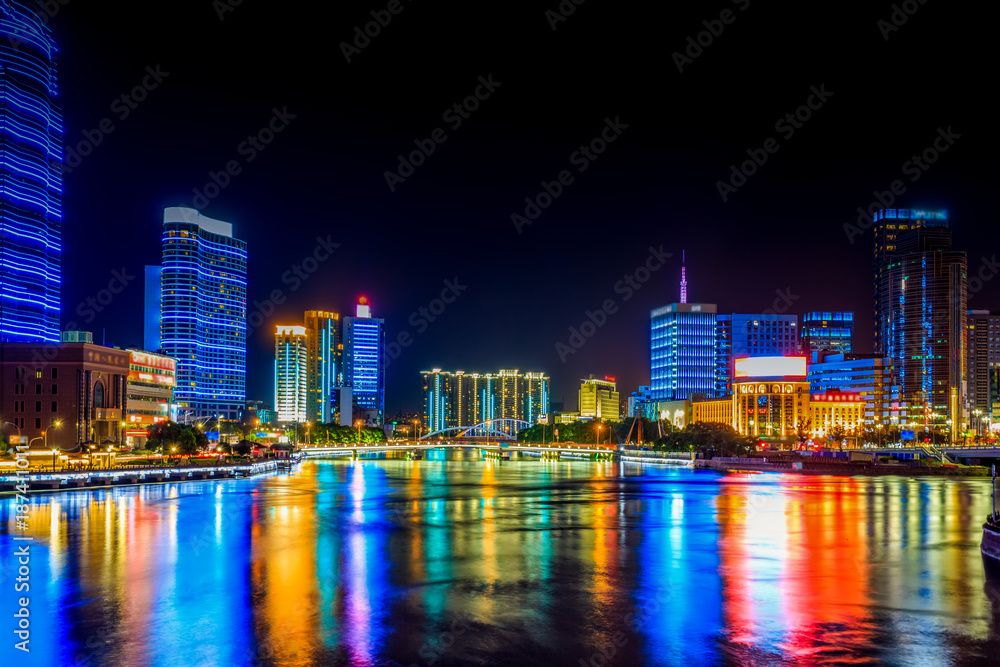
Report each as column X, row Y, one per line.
column 449, row 561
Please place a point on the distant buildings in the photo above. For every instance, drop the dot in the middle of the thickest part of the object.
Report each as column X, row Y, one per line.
column 31, row 168
column 868, row 376
column 598, row 399
column 290, row 374
column 827, row 331
column 922, row 310
column 204, row 313
column 364, row 363
column 454, row 399
column 983, row 367
column 750, row 335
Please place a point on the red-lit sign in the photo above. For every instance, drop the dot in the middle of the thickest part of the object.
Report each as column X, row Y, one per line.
column 838, row 397
column 609, row 378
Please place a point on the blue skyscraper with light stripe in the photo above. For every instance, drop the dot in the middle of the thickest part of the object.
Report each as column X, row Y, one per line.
column 31, row 158
column 203, row 306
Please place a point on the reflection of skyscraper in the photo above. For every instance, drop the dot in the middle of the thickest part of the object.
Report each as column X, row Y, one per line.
column 364, row 371
column 290, row 374
column 923, row 326
column 204, row 313
column 31, row 162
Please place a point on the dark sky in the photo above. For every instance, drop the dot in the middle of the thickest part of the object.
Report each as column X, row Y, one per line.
column 655, row 185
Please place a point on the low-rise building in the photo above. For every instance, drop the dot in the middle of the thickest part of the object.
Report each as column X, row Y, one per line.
column 149, row 393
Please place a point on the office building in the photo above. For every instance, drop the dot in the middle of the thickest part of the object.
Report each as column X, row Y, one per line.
column 535, row 397
column 290, row 374
column 459, row 399
column 70, row 393
column 983, row 363
column 31, row 168
column 888, row 226
column 868, row 376
column 149, row 393
column 827, row 332
column 598, row 399
column 682, row 350
column 203, row 305
column 923, row 327
column 750, row 335
column 641, row 404
column 364, row 369
column 257, row 413
column 322, row 362
column 152, row 307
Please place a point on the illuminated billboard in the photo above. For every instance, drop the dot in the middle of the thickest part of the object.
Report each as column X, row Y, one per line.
column 766, row 367
column 151, row 368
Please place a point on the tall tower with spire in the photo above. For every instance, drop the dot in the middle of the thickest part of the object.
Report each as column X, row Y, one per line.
column 684, row 280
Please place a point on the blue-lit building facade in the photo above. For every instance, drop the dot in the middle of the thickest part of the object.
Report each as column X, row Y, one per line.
column 827, row 331
column 867, row 375
column 751, row 335
column 151, row 309
column 31, row 161
column 682, row 351
column 923, row 296
column 364, row 369
column 203, row 313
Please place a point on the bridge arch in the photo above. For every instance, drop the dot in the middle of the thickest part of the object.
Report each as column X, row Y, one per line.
column 500, row 429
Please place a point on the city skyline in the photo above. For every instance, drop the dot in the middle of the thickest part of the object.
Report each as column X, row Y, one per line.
column 769, row 224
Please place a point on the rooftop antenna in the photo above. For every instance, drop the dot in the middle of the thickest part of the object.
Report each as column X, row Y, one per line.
column 684, row 281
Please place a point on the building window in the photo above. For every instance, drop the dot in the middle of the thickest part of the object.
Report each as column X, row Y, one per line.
column 55, row 373
column 55, row 389
column 38, row 422
column 38, row 406
column 38, row 373
column 99, row 395
column 38, row 389
column 54, row 408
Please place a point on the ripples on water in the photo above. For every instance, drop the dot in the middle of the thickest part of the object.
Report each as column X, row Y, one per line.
column 445, row 561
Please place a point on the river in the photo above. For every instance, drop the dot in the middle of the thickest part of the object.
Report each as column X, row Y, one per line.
column 454, row 561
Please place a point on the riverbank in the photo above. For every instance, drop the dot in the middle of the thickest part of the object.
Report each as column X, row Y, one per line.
column 103, row 479
column 847, row 469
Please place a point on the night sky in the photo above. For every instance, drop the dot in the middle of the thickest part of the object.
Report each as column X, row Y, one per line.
column 323, row 175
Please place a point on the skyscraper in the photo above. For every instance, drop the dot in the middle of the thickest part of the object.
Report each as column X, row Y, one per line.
column 31, row 164
column 889, row 224
column 438, row 398
column 682, row 350
column 983, row 362
column 923, row 326
column 751, row 335
column 535, row 397
column 322, row 359
column 364, row 370
column 827, row 331
column 290, row 374
column 599, row 398
column 204, row 313
column 466, row 399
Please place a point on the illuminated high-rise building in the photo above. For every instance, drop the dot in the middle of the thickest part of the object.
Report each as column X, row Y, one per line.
column 682, row 350
column 827, row 332
column 204, row 313
column 598, row 399
column 31, row 164
column 364, row 368
column 888, row 225
column 750, row 335
column 458, row 398
column 983, row 364
column 152, row 308
column 439, row 400
column 322, row 359
column 291, row 371
column 535, row 397
column 923, row 327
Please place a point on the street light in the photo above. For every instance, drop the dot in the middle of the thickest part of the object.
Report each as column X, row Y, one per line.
column 358, row 424
column 415, row 436
column 54, row 453
column 599, row 427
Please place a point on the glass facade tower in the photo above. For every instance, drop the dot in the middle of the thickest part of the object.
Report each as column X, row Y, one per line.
column 364, row 369
column 31, row 162
column 827, row 331
column 682, row 350
column 204, row 313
